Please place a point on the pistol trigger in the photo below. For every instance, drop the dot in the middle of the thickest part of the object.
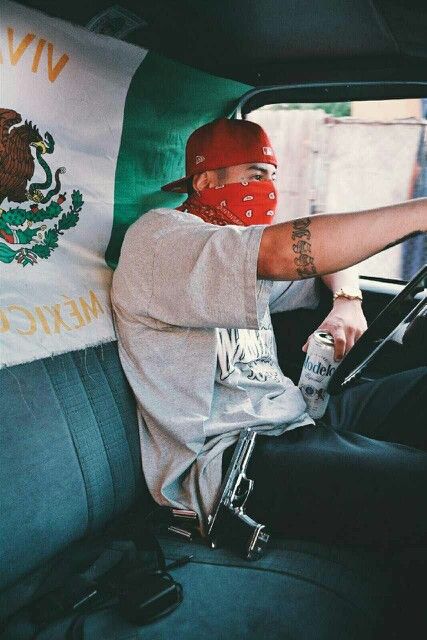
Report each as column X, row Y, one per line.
column 241, row 492
column 248, row 491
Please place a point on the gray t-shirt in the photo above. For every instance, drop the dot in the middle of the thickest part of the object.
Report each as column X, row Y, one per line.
column 197, row 346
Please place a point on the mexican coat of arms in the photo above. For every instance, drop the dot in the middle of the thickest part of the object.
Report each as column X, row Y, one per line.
column 30, row 231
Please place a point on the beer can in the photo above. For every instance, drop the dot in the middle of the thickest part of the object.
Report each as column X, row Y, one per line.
column 318, row 367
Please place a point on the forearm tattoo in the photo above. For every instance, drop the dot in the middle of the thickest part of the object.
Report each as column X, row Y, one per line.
column 304, row 262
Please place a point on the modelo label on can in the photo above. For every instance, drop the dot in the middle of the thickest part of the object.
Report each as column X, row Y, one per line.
column 318, row 367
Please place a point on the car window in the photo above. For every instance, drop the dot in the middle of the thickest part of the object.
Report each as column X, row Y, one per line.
column 348, row 156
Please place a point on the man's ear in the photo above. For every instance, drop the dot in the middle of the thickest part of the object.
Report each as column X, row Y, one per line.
column 200, row 181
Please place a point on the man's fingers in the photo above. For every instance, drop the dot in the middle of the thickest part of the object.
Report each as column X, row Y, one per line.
column 357, row 335
column 359, row 332
column 344, row 339
column 339, row 344
column 305, row 346
column 351, row 339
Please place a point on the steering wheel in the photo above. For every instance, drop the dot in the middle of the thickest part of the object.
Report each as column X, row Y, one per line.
column 378, row 332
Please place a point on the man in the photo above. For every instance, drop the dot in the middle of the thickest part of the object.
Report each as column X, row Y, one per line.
column 192, row 297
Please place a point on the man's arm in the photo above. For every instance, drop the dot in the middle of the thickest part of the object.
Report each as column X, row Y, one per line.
column 327, row 243
column 346, row 320
column 347, row 279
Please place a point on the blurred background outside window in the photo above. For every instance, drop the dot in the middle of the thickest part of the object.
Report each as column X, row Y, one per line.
column 349, row 156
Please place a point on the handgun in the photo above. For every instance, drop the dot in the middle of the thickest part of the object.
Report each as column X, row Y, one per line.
column 229, row 525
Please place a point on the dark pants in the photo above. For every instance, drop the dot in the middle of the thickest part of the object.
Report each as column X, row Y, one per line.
column 358, row 477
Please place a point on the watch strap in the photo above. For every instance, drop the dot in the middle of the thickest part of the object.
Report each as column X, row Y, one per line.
column 355, row 294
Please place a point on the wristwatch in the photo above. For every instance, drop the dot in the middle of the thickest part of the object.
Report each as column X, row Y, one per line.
column 349, row 294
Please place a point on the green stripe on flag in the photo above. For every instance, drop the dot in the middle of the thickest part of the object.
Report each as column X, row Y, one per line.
column 166, row 101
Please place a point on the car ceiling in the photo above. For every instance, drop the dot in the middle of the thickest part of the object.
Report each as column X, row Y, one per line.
column 276, row 41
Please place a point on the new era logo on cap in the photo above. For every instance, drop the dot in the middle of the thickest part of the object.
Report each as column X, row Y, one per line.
column 267, row 151
column 200, row 159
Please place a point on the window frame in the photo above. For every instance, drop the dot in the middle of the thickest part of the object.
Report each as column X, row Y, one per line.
column 328, row 92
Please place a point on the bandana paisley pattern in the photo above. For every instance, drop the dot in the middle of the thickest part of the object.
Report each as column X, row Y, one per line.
column 240, row 203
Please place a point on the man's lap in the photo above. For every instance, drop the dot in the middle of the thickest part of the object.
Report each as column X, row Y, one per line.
column 392, row 408
column 327, row 482
column 314, row 482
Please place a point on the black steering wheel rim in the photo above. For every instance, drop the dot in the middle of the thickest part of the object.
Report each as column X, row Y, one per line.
column 380, row 329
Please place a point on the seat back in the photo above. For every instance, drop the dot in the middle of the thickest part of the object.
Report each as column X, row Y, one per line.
column 70, row 454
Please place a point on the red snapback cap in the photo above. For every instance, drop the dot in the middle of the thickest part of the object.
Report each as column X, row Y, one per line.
column 223, row 143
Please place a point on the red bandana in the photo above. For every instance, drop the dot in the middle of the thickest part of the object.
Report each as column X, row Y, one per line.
column 242, row 203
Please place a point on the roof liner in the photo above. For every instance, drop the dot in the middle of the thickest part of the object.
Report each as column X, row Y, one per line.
column 277, row 41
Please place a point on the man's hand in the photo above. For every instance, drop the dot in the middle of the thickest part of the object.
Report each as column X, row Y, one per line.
column 346, row 322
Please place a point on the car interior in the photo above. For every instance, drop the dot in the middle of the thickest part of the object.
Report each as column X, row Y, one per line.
column 341, row 89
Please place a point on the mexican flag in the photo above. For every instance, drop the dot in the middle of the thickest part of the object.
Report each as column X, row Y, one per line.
column 90, row 128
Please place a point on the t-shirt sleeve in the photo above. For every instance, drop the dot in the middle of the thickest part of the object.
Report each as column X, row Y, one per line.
column 298, row 294
column 182, row 271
